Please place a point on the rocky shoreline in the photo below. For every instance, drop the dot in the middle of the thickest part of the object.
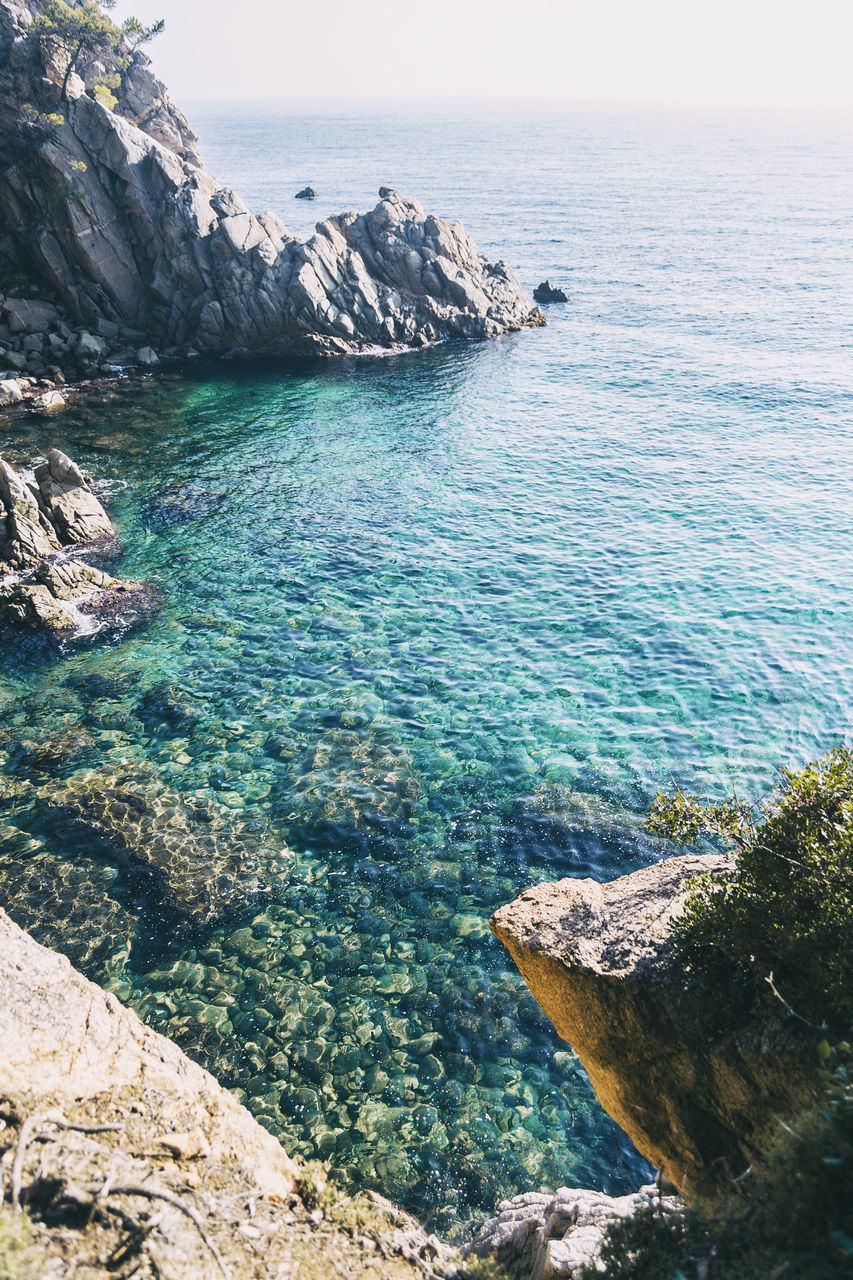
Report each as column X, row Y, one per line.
column 110, row 209
column 44, row 587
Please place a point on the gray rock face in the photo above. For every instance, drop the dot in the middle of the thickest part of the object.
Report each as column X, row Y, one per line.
column 540, row 1237
column 698, row 1099
column 40, row 588
column 121, row 219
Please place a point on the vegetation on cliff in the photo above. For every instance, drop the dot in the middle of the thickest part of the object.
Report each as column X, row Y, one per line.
column 774, row 924
column 777, row 921
column 792, row 1217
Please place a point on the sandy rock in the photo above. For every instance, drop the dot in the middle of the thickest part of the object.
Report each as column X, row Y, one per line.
column 88, row 1097
column 699, row 1100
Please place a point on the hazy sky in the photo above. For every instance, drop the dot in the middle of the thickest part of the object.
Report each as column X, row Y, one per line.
column 722, row 52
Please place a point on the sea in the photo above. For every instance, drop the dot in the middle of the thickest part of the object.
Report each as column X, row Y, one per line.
column 438, row 626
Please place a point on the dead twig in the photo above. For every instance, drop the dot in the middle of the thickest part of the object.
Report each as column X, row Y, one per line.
column 26, row 1133
column 150, row 1193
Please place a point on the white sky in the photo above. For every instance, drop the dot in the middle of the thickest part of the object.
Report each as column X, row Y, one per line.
column 774, row 53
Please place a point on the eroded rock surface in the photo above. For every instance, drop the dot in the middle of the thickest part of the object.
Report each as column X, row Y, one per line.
column 132, row 1160
column 697, row 1098
column 538, row 1236
column 40, row 587
column 121, row 219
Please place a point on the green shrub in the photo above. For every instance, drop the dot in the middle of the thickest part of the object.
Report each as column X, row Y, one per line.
column 18, row 1258
column 792, row 1218
column 781, row 913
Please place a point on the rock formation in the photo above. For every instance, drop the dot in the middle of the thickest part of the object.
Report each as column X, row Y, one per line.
column 547, row 292
column 555, row 1237
column 698, row 1099
column 115, row 212
column 131, row 1160
column 40, row 587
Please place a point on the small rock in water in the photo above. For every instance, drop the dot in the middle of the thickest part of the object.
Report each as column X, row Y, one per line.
column 546, row 292
column 50, row 402
column 307, row 193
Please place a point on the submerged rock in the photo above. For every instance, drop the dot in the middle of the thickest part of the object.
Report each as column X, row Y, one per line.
column 199, row 860
column 698, row 1099
column 142, row 240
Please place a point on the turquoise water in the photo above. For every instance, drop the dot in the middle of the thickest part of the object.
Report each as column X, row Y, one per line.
column 438, row 626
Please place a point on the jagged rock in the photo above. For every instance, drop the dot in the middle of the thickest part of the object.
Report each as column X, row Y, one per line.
column 537, row 1236
column 59, row 595
column 31, row 605
column 307, row 193
column 73, row 509
column 198, row 858
column 29, row 535
column 143, row 238
column 29, row 315
column 547, row 292
column 43, row 591
column 697, row 1098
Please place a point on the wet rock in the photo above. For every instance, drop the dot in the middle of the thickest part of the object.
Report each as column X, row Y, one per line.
column 33, row 606
column 547, row 292
column 307, row 193
column 147, row 357
column 41, row 589
column 49, row 402
column 698, row 1099
column 199, row 861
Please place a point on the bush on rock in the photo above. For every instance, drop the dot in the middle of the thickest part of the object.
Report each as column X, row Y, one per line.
column 777, row 921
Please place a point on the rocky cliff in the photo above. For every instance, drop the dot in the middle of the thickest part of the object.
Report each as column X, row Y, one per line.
column 114, row 210
column 131, row 1160
column 697, row 1098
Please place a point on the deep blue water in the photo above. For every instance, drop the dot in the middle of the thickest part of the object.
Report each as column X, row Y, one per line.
column 439, row 625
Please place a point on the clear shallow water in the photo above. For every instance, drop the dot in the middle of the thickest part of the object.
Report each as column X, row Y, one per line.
column 438, row 626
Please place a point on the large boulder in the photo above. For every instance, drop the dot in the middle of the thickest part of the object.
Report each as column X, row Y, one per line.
column 130, row 1159
column 141, row 236
column 72, row 507
column 697, row 1097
